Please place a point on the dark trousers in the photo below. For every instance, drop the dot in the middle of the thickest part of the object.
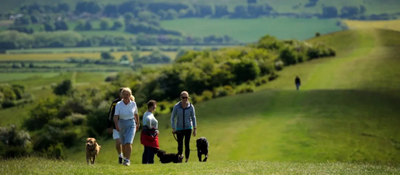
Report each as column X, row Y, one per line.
column 297, row 86
column 148, row 155
column 184, row 134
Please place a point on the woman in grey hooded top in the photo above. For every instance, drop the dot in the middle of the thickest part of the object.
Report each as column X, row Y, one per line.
column 185, row 116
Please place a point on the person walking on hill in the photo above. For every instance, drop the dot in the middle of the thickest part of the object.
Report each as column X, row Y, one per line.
column 126, row 119
column 149, row 135
column 111, row 127
column 184, row 113
column 297, row 82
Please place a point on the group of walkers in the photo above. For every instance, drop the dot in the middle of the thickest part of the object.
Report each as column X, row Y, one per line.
column 123, row 122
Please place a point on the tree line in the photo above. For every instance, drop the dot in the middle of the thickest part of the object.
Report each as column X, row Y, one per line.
column 62, row 120
column 59, row 39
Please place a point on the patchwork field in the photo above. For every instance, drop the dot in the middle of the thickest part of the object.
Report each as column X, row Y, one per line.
column 250, row 30
column 63, row 56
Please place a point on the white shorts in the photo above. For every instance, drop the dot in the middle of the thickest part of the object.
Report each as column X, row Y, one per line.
column 115, row 134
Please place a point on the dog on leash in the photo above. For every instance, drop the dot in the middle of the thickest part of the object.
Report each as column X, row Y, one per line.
column 202, row 148
column 169, row 157
column 92, row 150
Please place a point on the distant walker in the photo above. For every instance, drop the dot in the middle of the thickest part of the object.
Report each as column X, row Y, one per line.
column 297, row 82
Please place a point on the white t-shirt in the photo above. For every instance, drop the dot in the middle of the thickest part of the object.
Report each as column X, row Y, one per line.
column 149, row 120
column 124, row 111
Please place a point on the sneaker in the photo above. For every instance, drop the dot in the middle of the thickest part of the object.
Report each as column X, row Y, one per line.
column 120, row 160
column 127, row 163
column 186, row 160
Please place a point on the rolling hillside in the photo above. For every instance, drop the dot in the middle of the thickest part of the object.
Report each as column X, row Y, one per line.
column 346, row 111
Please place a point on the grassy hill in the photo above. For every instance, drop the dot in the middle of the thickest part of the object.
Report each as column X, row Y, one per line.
column 346, row 111
column 388, row 25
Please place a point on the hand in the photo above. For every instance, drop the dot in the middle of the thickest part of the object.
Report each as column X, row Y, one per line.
column 194, row 132
column 117, row 128
column 137, row 127
column 173, row 131
column 109, row 130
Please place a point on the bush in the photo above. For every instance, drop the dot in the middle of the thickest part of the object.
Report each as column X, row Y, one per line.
column 245, row 89
column 207, row 95
column 60, row 123
column 8, row 104
column 223, row 91
column 97, row 122
column 260, row 81
column 76, row 119
column 56, row 151
column 14, row 142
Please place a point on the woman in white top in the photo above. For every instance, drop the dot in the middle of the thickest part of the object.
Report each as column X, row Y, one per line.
column 126, row 121
column 149, row 135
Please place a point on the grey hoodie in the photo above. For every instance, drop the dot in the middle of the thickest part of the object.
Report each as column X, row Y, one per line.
column 186, row 118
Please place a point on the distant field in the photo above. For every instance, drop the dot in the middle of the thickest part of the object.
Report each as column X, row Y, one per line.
column 63, row 56
column 250, row 30
column 373, row 6
column 7, row 77
column 390, row 25
column 100, row 49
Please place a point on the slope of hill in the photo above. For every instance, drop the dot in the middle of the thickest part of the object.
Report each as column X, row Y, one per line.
column 346, row 111
column 386, row 24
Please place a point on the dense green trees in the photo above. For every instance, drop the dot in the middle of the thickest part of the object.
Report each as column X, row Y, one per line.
column 13, row 95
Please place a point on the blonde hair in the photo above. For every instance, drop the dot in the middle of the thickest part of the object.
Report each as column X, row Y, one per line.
column 185, row 92
column 126, row 89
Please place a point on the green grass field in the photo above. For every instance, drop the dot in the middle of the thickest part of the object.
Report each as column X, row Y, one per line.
column 250, row 30
column 344, row 120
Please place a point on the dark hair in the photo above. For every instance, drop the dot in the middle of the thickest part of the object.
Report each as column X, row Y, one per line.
column 151, row 103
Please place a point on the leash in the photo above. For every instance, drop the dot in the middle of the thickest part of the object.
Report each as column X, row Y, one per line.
column 177, row 141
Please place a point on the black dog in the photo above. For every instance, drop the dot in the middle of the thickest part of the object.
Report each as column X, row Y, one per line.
column 169, row 157
column 202, row 148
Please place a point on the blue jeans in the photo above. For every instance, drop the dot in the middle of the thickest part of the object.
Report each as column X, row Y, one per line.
column 297, row 86
column 148, row 155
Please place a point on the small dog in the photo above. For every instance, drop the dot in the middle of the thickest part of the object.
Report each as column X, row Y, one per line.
column 202, row 148
column 92, row 150
column 169, row 157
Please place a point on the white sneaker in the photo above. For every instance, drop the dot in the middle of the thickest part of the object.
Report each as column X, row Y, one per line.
column 127, row 163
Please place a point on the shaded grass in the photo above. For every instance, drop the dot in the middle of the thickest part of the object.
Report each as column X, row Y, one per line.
column 42, row 166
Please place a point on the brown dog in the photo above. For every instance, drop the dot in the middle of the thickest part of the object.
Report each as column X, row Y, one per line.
column 92, row 150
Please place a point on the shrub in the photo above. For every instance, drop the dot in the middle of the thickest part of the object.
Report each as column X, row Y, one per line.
column 56, row 151
column 245, row 89
column 207, row 95
column 76, row 119
column 14, row 142
column 60, row 123
column 223, row 91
